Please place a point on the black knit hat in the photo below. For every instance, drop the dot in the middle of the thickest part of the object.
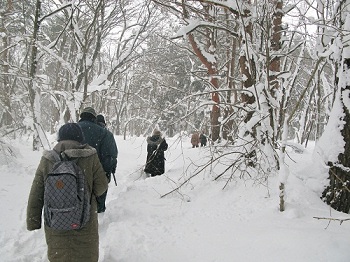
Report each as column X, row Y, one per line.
column 71, row 131
column 100, row 119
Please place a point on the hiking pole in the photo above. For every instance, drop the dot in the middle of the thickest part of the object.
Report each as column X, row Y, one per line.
column 115, row 181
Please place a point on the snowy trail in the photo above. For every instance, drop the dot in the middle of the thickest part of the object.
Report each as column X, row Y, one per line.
column 199, row 223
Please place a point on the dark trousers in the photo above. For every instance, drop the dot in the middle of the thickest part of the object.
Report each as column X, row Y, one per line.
column 101, row 202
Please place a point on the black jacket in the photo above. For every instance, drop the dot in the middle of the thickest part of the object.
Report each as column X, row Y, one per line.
column 104, row 142
column 156, row 146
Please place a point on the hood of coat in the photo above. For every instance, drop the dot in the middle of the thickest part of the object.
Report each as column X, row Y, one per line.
column 72, row 149
column 154, row 140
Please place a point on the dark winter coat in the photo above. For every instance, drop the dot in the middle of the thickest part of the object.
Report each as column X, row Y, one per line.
column 103, row 141
column 73, row 245
column 203, row 140
column 156, row 145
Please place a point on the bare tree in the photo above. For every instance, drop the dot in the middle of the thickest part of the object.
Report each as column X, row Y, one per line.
column 6, row 118
column 204, row 42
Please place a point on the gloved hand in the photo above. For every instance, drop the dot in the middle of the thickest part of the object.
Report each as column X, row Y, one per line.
column 108, row 175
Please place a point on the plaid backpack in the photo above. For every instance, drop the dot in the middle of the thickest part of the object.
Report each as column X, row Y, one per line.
column 66, row 196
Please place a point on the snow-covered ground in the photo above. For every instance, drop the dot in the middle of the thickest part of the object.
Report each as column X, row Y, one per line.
column 201, row 222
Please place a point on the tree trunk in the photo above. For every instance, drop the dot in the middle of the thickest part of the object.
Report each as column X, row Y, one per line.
column 211, row 66
column 275, row 61
column 34, row 95
column 337, row 194
column 6, row 94
column 274, row 69
column 231, row 96
column 212, row 71
column 246, row 64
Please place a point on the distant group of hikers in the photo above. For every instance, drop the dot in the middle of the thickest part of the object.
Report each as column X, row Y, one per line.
column 196, row 139
column 71, row 183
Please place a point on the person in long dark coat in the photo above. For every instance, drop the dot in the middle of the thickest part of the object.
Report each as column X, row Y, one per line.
column 81, row 245
column 103, row 141
column 203, row 140
column 156, row 145
column 100, row 119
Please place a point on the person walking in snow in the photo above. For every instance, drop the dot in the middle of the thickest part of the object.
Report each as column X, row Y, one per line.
column 103, row 141
column 195, row 139
column 203, row 139
column 100, row 119
column 156, row 145
column 79, row 245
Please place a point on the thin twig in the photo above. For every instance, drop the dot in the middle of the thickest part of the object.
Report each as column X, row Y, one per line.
column 333, row 219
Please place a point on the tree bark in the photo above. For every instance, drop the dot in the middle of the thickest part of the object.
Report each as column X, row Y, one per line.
column 34, row 93
column 212, row 72
column 337, row 194
column 247, row 65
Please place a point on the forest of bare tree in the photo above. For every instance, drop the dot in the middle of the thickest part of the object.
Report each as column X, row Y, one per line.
column 250, row 74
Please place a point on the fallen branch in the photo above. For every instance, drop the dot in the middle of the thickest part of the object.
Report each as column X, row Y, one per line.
column 333, row 219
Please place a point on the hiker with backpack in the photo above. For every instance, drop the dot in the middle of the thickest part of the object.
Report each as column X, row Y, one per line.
column 65, row 185
column 156, row 145
column 103, row 141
